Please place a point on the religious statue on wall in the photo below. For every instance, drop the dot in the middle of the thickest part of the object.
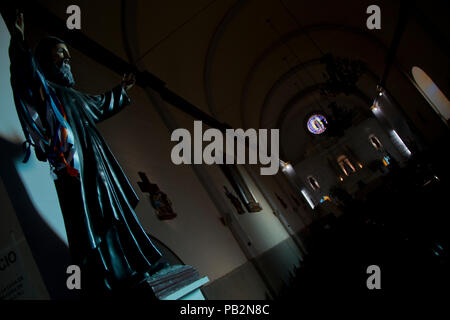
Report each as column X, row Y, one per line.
column 106, row 239
column 341, row 75
column 235, row 201
column 159, row 200
column 240, row 187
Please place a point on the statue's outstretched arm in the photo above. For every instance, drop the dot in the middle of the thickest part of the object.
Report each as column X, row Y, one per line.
column 108, row 104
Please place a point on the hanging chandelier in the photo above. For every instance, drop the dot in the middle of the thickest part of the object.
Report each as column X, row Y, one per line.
column 341, row 75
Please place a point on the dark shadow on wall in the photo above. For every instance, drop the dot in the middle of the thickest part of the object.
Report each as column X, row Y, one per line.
column 51, row 254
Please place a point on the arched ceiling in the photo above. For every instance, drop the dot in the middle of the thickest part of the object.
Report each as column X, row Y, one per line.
column 249, row 63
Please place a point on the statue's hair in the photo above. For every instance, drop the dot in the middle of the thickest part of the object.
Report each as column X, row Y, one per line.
column 43, row 52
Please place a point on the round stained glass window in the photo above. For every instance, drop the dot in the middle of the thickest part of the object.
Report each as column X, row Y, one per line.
column 317, row 124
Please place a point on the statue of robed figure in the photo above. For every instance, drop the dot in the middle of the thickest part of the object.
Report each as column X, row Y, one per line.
column 105, row 236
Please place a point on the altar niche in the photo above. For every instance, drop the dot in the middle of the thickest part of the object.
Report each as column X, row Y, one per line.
column 215, row 151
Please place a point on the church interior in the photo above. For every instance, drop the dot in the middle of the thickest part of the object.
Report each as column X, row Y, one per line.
column 359, row 96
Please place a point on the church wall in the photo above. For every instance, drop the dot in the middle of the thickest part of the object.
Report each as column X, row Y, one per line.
column 295, row 212
column 269, row 240
column 17, row 259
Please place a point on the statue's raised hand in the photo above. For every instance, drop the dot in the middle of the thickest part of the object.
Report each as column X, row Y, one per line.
column 128, row 81
column 20, row 24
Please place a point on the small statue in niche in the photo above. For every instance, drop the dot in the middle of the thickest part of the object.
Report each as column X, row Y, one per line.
column 158, row 199
column 161, row 203
column 235, row 201
column 254, row 207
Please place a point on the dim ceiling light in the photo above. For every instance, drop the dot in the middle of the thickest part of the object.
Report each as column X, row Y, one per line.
column 380, row 90
column 285, row 166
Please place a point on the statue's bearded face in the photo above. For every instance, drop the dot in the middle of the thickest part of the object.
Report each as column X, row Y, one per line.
column 60, row 70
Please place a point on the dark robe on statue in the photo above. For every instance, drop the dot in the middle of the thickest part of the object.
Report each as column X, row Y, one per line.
column 105, row 237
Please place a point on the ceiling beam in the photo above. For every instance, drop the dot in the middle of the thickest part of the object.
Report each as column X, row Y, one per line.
column 404, row 10
column 212, row 49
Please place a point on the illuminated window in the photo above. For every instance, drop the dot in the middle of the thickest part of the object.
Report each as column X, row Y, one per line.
column 432, row 93
column 313, row 183
column 308, row 198
column 399, row 143
column 317, row 124
column 346, row 166
column 285, row 166
column 376, row 143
